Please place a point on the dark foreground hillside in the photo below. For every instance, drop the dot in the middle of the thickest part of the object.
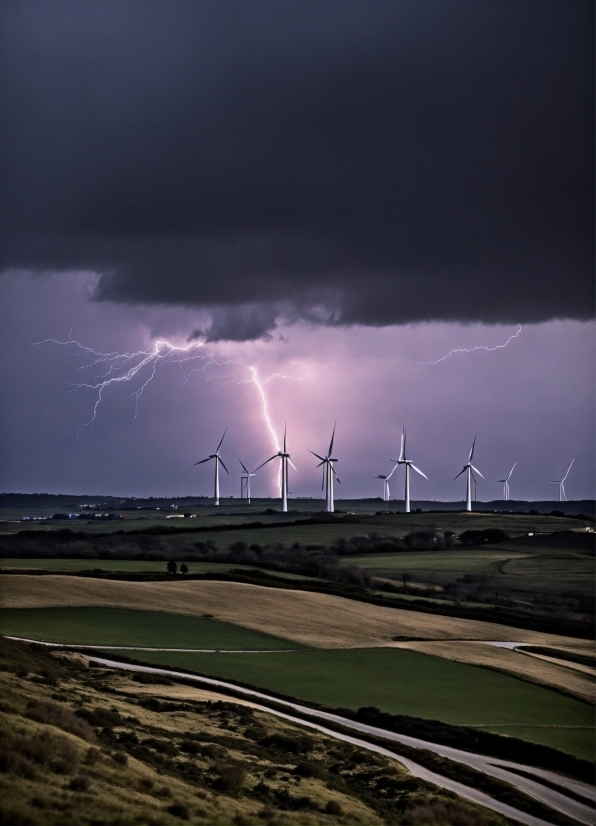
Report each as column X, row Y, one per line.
column 81, row 745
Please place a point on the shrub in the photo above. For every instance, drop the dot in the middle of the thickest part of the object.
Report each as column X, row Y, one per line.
column 59, row 716
column 294, row 744
column 172, row 567
column 229, row 778
column 180, row 810
column 120, row 757
column 100, row 717
column 80, row 783
column 333, row 808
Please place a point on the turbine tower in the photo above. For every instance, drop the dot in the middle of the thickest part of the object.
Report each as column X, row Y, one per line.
column 285, row 461
column 386, row 483
column 505, row 483
column 245, row 482
column 469, row 469
column 561, row 484
column 328, row 473
column 218, row 461
column 409, row 464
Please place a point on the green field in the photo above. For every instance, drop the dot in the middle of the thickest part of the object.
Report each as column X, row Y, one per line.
column 406, row 682
column 132, row 566
column 120, row 626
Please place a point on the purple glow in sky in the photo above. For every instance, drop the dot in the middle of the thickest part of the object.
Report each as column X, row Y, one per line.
column 531, row 402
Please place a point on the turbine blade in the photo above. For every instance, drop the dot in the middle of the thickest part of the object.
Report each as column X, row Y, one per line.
column 322, row 463
column 405, row 436
column 285, row 432
column 392, row 472
column 473, row 446
column 204, row 460
column 242, row 464
column 460, row 473
column 335, row 474
column 224, row 467
column 317, row 455
column 419, row 471
column 332, row 438
column 568, row 469
column 401, row 448
column 511, row 471
column 475, row 469
column 292, row 465
column 268, row 460
column 221, row 441
column 323, row 482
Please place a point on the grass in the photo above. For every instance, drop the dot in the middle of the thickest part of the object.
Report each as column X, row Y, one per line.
column 406, row 682
column 122, row 626
column 131, row 566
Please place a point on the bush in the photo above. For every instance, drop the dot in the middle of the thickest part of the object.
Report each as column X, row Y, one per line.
column 80, row 783
column 333, row 808
column 172, row 567
column 229, row 778
column 297, row 744
column 59, row 716
column 120, row 757
column 180, row 810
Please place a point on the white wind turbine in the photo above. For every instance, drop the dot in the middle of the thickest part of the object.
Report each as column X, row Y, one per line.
column 505, row 483
column 386, row 479
column 561, row 484
column 218, row 461
column 245, row 482
column 328, row 473
column 409, row 464
column 285, row 461
column 469, row 467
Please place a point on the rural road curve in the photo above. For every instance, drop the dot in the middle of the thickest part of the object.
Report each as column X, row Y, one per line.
column 500, row 769
column 179, row 650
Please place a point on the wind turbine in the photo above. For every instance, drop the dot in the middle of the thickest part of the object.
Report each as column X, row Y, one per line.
column 218, row 461
column 386, row 483
column 245, row 482
column 285, row 461
column 409, row 464
column 328, row 473
column 561, row 484
column 505, row 483
column 470, row 469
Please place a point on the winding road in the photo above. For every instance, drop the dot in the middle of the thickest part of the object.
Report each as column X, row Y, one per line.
column 538, row 785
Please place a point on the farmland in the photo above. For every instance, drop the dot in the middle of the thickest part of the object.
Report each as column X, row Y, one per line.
column 103, row 587
column 406, row 682
column 122, row 626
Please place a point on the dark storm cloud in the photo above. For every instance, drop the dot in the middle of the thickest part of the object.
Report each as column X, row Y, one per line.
column 341, row 162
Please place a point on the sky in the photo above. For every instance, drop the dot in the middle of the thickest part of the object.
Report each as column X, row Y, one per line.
column 284, row 212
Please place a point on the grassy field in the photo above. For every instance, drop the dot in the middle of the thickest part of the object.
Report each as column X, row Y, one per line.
column 122, row 626
column 130, row 566
column 406, row 682
column 555, row 572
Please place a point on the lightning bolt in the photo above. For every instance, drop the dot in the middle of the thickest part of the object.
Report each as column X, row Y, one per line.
column 473, row 349
column 116, row 368
column 298, row 372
